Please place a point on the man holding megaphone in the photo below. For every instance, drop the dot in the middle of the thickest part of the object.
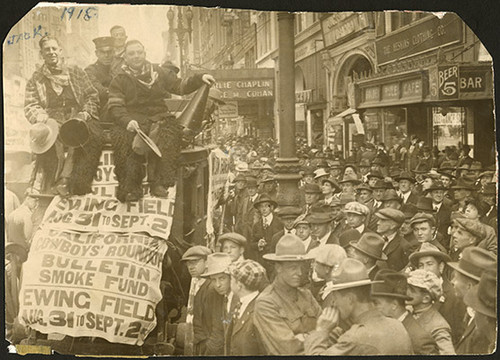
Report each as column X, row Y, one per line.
column 144, row 128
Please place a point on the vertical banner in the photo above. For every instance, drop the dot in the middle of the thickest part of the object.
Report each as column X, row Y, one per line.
column 218, row 169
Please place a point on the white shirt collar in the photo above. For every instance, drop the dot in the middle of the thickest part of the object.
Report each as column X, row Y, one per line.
column 436, row 207
column 245, row 300
column 403, row 316
column 360, row 228
column 324, row 239
column 254, row 197
column 306, row 242
column 268, row 219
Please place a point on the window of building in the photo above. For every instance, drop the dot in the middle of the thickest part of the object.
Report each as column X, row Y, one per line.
column 448, row 126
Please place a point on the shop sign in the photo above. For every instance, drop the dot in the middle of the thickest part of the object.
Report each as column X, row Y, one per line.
column 473, row 80
column 372, row 94
column 422, row 37
column 448, row 82
column 251, row 89
column 453, row 81
column 337, row 27
column 228, row 110
column 450, row 119
column 412, row 88
column 304, row 96
column 390, row 91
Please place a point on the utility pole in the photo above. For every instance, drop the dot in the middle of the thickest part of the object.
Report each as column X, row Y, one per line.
column 287, row 164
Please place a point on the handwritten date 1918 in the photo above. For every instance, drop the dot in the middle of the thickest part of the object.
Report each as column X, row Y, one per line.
column 81, row 13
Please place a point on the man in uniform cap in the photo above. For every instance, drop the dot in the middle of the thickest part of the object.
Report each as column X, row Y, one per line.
column 430, row 258
column 389, row 298
column 195, row 259
column 233, row 244
column 388, row 225
column 284, row 312
column 248, row 279
column 368, row 250
column 424, row 289
column 482, row 298
column 100, row 72
column 371, row 333
column 466, row 275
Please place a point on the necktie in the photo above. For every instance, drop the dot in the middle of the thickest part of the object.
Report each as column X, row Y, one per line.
column 264, row 223
column 237, row 308
column 313, row 244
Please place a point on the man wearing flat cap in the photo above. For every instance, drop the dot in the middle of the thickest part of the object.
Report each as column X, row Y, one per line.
column 350, row 293
column 248, row 279
column 424, row 289
column 197, row 321
column 100, row 72
column 284, row 312
column 389, row 298
column 467, row 273
column 388, row 225
column 465, row 233
column 356, row 215
column 424, row 229
column 233, row 244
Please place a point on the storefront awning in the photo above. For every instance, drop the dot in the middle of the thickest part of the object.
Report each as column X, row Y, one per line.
column 339, row 119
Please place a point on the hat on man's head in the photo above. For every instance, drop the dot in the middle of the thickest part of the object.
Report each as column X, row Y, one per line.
column 391, row 194
column 351, row 273
column 236, row 238
column 241, row 167
column 268, row 179
column 318, row 173
column 409, row 210
column 250, row 273
column 421, row 217
column 489, row 189
column 391, row 214
column 355, row 207
column 404, row 175
column 289, row 248
column 375, row 174
column 486, row 173
column 474, row 261
column 312, row 188
column 424, row 204
column 329, row 254
column 196, row 252
column 348, row 236
column 104, row 42
column 350, row 179
column 448, row 165
column 320, row 214
column 308, row 170
column 43, row 136
column 379, row 184
column 217, row 263
column 393, row 284
column 474, row 227
column 427, row 249
column 436, row 185
column 464, row 184
column 240, row 177
column 476, row 165
column 483, row 297
column 335, row 164
column 251, row 182
column 346, row 198
column 302, row 219
column 332, row 182
column 364, row 163
column 288, row 212
column 370, row 244
column 364, row 187
column 426, row 280
column 264, row 198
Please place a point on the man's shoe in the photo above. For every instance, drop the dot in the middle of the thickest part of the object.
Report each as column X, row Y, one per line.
column 159, row 191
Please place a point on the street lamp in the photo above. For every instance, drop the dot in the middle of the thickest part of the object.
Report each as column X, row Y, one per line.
column 180, row 30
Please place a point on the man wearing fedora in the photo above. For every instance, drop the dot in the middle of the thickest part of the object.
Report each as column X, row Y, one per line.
column 264, row 229
column 406, row 182
column 466, row 275
column 350, row 293
column 312, row 194
column 441, row 208
column 392, row 200
column 388, row 225
column 368, row 250
column 424, row 289
column 488, row 194
column 430, row 258
column 220, row 304
column 462, row 191
column 248, row 214
column 389, row 296
column 482, row 298
column 197, row 321
column 248, row 279
column 284, row 312
column 234, row 204
column 321, row 219
column 55, row 94
column 136, row 97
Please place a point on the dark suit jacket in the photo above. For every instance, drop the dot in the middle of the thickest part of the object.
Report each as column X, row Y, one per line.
column 412, row 199
column 443, row 222
column 258, row 232
column 396, row 258
column 471, row 343
column 245, row 340
column 452, row 309
column 207, row 324
column 422, row 341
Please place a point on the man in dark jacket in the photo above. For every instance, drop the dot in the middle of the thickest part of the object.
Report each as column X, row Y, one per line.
column 136, row 101
column 100, row 72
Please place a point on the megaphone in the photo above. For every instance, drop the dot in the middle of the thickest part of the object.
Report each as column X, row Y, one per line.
column 191, row 117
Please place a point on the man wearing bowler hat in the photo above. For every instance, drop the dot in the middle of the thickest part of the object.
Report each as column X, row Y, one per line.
column 371, row 333
column 430, row 258
column 100, row 72
column 136, row 105
column 406, row 182
column 482, row 298
column 248, row 279
column 198, row 322
column 368, row 250
column 55, row 94
column 388, row 225
column 466, row 275
column 389, row 297
column 284, row 312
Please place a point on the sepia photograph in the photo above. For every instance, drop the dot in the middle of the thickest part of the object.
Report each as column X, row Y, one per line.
column 188, row 180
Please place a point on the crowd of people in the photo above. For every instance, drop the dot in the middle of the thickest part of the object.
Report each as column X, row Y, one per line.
column 381, row 257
